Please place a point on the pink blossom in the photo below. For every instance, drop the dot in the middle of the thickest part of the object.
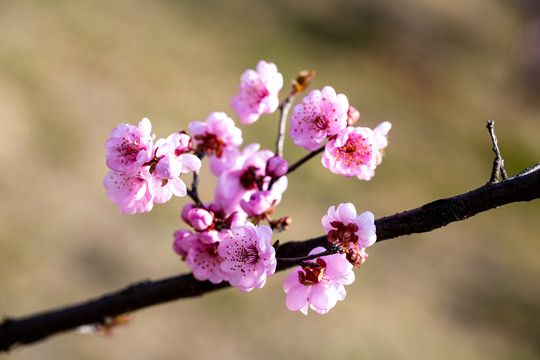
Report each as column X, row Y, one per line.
column 182, row 242
column 356, row 151
column 185, row 211
column 248, row 256
column 259, row 203
column 171, row 163
column 129, row 147
column 132, row 193
column 319, row 285
column 276, row 167
column 321, row 114
column 203, row 258
column 258, row 92
column 344, row 226
column 216, row 134
column 247, row 175
column 351, row 152
column 352, row 116
column 183, row 143
column 380, row 134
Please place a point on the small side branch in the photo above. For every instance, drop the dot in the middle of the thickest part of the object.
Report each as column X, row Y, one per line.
column 284, row 111
column 193, row 193
column 299, row 84
column 498, row 163
column 305, row 159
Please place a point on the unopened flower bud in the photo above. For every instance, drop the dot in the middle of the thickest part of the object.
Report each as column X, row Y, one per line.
column 276, row 167
column 356, row 257
column 201, row 219
column 352, row 116
column 282, row 224
column 184, row 143
column 302, row 81
column 259, row 203
column 185, row 211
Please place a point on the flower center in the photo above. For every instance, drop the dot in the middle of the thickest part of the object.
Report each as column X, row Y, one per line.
column 355, row 152
column 129, row 149
column 211, row 144
column 320, row 122
column 343, row 234
column 247, row 255
column 249, row 178
column 313, row 272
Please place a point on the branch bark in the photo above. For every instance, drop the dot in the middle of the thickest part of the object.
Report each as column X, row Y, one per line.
column 26, row 330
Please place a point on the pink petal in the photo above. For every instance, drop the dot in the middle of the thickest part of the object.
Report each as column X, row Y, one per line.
column 297, row 298
column 323, row 296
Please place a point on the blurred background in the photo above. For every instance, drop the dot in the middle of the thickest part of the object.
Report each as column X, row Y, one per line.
column 437, row 70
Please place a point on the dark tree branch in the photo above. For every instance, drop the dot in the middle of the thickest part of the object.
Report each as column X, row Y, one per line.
column 26, row 330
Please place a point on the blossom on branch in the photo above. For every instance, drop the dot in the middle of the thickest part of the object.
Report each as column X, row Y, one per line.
column 169, row 163
column 200, row 251
column 130, row 147
column 346, row 228
column 258, row 92
column 132, row 193
column 356, row 151
column 321, row 114
column 143, row 173
column 216, row 134
column 248, row 256
column 318, row 284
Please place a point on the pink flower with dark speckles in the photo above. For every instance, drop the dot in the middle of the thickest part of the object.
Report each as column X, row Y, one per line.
column 319, row 115
column 132, row 193
column 248, row 256
column 356, row 151
column 129, row 147
column 258, row 92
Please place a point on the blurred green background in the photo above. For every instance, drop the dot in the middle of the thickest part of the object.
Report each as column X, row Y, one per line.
column 70, row 71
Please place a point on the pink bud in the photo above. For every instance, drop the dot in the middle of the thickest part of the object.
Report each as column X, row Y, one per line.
column 201, row 219
column 183, row 144
column 185, row 211
column 352, row 116
column 259, row 203
column 276, row 167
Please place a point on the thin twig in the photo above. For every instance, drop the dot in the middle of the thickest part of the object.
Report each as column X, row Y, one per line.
column 331, row 250
column 193, row 192
column 284, row 111
column 304, row 159
column 498, row 162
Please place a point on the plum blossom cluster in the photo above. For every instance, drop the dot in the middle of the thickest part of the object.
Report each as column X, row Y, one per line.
column 143, row 172
column 228, row 238
column 350, row 151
